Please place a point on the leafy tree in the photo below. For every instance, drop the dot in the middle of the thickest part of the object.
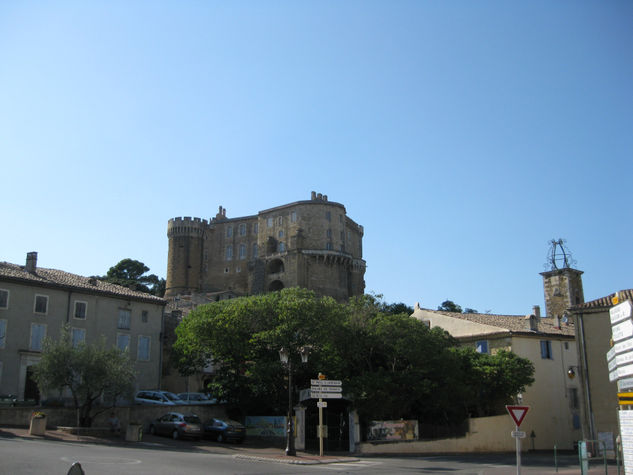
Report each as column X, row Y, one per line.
column 89, row 372
column 470, row 310
column 450, row 306
column 131, row 273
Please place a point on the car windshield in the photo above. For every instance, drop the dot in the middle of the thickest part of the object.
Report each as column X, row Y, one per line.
column 171, row 396
column 192, row 419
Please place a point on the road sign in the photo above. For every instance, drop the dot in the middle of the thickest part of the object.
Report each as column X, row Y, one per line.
column 625, row 399
column 517, row 413
column 327, row 389
column 326, row 382
column 321, row 403
column 620, row 312
column 622, row 330
column 323, row 395
column 518, row 434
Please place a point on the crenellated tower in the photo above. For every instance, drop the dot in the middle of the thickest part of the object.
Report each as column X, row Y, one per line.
column 185, row 259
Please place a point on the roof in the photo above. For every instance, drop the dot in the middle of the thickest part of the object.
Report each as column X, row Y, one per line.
column 512, row 324
column 603, row 302
column 54, row 278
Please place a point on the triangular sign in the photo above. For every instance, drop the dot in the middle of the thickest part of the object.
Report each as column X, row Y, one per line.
column 517, row 413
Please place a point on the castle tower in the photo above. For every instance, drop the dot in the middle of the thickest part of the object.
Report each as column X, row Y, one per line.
column 185, row 255
column 562, row 285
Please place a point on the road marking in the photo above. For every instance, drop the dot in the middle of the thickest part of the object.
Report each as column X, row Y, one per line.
column 101, row 460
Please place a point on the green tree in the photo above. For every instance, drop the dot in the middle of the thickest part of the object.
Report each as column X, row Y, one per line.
column 89, row 372
column 450, row 306
column 131, row 273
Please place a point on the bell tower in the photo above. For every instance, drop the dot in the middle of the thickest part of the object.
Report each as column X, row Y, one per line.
column 562, row 284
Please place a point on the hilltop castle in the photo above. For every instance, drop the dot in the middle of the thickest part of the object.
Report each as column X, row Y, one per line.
column 311, row 244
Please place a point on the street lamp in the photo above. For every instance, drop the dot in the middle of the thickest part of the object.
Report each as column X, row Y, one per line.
column 284, row 356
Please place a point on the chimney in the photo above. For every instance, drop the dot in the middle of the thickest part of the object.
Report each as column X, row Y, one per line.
column 557, row 322
column 31, row 262
column 536, row 310
column 313, row 195
column 532, row 323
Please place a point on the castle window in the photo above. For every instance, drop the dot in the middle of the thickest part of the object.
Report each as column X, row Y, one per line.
column 123, row 341
column 342, row 235
column 546, row 350
column 254, row 250
column 3, row 333
column 80, row 309
column 281, row 233
column 242, row 251
column 229, row 231
column 142, row 353
column 282, row 247
column 280, row 220
column 293, row 217
column 328, row 246
column 144, row 316
column 481, row 346
column 255, row 228
column 4, row 298
column 242, row 230
column 328, row 215
column 269, row 222
column 340, row 218
column 124, row 319
column 40, row 305
column 229, row 253
column 78, row 336
column 38, row 332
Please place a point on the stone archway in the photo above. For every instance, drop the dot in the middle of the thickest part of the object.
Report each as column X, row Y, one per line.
column 275, row 285
column 276, row 266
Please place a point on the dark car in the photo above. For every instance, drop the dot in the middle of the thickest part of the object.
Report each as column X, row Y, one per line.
column 177, row 425
column 224, row 430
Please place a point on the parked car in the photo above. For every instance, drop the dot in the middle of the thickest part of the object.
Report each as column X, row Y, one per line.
column 164, row 398
column 224, row 430
column 177, row 425
column 197, row 398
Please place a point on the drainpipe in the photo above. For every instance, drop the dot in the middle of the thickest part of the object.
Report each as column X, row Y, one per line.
column 585, row 380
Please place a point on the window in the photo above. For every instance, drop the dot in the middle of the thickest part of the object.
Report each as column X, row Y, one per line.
column 282, row 247
column 80, row 309
column 281, row 233
column 546, row 349
column 481, row 346
column 269, row 222
column 255, row 228
column 293, row 217
column 328, row 233
column 142, row 353
column 144, row 316
column 242, row 229
column 574, row 402
column 79, row 336
column 229, row 253
column 3, row 333
column 328, row 215
column 342, row 235
column 280, row 220
column 566, row 345
column 328, row 246
column 242, row 251
column 254, row 251
column 340, row 218
column 124, row 319
column 4, row 298
column 38, row 332
column 41, row 304
column 229, row 231
column 123, row 342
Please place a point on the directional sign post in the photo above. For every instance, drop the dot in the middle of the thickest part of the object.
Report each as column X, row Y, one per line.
column 518, row 414
column 324, row 389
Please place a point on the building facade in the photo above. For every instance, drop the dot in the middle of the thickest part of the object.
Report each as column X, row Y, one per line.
column 311, row 244
column 36, row 303
column 554, row 397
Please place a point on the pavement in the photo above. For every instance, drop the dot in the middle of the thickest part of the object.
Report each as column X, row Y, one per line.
column 247, row 450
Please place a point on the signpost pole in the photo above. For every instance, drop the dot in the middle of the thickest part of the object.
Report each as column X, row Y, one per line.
column 518, row 444
column 320, row 427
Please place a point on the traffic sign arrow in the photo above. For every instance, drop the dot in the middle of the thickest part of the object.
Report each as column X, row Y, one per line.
column 517, row 413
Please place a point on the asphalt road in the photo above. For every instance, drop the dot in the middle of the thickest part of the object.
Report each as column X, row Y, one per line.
column 155, row 456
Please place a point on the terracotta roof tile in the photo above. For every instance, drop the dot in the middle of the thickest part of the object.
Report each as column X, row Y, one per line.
column 604, row 302
column 60, row 279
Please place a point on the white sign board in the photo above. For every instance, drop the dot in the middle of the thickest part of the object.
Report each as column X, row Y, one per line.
column 326, row 389
column 623, row 346
column 622, row 330
column 326, row 382
column 620, row 312
column 322, row 395
column 626, row 432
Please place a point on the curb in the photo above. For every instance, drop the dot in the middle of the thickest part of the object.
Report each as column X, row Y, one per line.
column 294, row 460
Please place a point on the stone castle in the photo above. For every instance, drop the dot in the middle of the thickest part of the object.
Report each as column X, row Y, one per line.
column 311, row 244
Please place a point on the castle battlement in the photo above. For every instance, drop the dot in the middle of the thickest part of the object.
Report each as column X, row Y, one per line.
column 186, row 226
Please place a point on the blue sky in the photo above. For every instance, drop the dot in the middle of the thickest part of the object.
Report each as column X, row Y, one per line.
column 462, row 135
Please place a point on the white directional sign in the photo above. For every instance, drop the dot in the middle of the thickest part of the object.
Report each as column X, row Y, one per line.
column 518, row 433
column 326, row 382
column 323, row 395
column 326, row 389
column 620, row 312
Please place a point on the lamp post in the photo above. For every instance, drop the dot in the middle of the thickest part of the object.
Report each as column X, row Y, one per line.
column 284, row 356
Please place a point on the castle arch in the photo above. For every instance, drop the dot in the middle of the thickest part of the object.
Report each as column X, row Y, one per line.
column 275, row 266
column 275, row 285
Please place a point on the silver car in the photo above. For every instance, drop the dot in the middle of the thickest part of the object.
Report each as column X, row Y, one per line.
column 177, row 426
column 164, row 398
column 196, row 398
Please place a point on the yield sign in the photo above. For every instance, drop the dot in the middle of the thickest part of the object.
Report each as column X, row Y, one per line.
column 517, row 413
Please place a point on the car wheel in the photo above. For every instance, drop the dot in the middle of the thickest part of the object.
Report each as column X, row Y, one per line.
column 220, row 438
column 152, row 430
column 175, row 435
